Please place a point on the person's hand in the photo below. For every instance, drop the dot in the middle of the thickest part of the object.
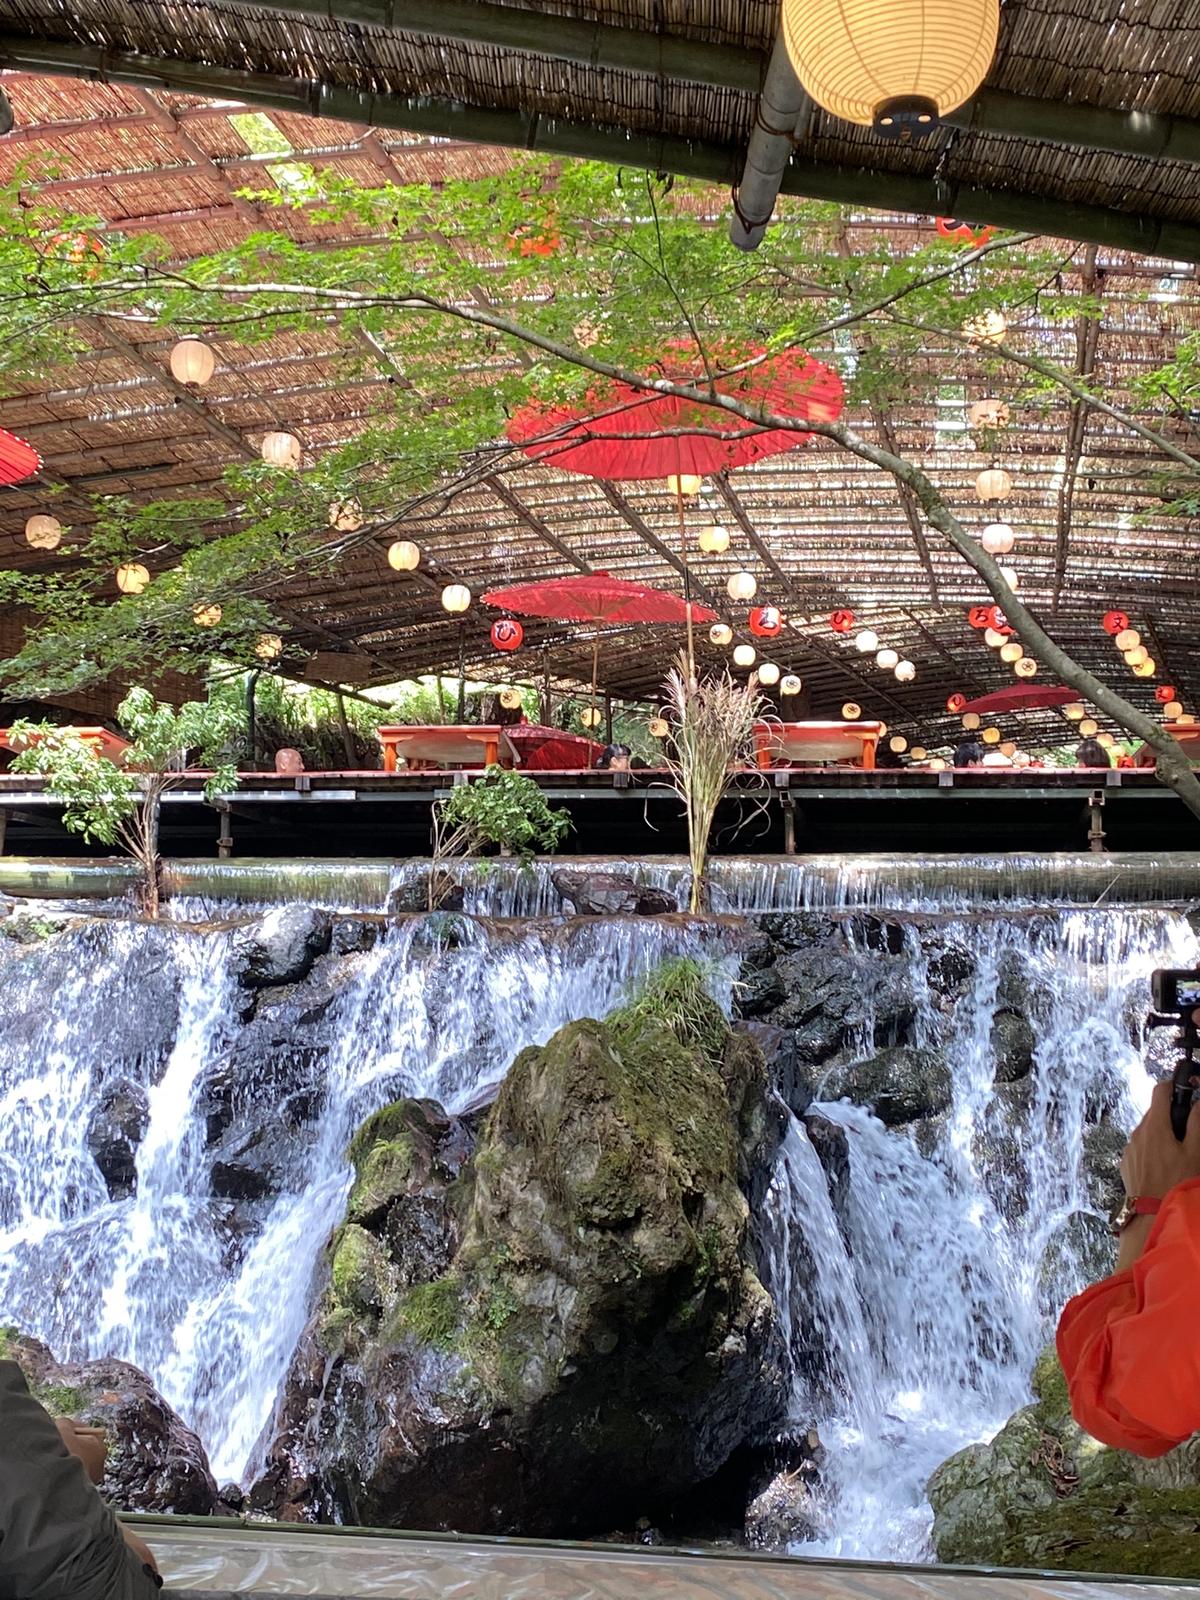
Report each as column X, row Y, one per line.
column 1155, row 1160
column 139, row 1547
column 89, row 1444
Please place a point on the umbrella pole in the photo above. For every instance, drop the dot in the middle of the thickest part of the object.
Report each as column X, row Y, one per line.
column 595, row 666
column 687, row 580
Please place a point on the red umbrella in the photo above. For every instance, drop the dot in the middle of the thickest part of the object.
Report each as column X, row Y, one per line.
column 596, row 597
column 581, row 439
column 1023, row 697
column 17, row 459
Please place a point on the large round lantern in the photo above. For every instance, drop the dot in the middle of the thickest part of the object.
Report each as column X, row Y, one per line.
column 1186, row 720
column 507, row 634
column 133, row 578
column 684, row 483
column 988, row 414
column 744, row 655
column 1075, row 712
column 766, row 622
column 993, row 483
column 741, row 586
column 658, row 727
column 1026, row 667
column 268, row 647
column 898, row 744
column 887, row 659
column 192, row 362
column 955, row 704
column 591, row 716
column 714, row 541
column 510, row 699
column 986, row 327
column 998, row 539
column 1145, row 669
column 971, row 721
column 994, row 638
column 1172, row 709
column 206, row 616
column 851, row 711
column 991, row 736
column 1164, row 692
column 43, row 532
column 967, row 232
column 1011, row 651
column 720, row 634
column 1106, row 740
column 1128, row 639
column 892, row 65
column 404, row 556
column 842, row 621
column 1115, row 622
column 906, row 671
column 346, row 515
column 1135, row 657
column 867, row 642
column 790, row 684
column 768, row 674
column 456, row 598
column 281, row 450
column 1088, row 727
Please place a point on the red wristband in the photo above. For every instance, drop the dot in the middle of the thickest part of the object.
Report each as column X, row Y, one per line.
column 1146, row 1206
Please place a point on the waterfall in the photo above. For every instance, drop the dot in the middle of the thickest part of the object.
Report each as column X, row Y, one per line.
column 155, row 1279
column 937, row 1279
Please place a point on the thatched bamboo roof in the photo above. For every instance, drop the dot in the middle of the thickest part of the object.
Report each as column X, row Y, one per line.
column 817, row 528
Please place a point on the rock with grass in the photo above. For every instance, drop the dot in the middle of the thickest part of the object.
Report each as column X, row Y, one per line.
column 591, row 1339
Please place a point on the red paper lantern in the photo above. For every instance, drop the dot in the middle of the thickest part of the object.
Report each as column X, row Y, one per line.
column 766, row 622
column 842, row 621
column 982, row 617
column 507, row 634
column 1115, row 622
column 967, row 232
column 1164, row 694
column 955, row 704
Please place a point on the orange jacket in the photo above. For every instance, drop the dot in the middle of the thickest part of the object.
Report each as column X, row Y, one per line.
column 1130, row 1345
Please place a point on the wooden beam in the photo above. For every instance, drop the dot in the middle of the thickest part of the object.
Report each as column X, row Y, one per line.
column 520, row 510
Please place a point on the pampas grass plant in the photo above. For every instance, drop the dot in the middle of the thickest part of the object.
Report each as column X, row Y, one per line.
column 712, row 723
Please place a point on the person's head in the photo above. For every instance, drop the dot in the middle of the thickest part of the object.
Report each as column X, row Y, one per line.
column 968, row 753
column 615, row 757
column 1091, row 753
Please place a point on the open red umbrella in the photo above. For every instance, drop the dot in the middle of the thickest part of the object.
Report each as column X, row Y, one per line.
column 596, row 597
column 606, row 437
column 1023, row 697
column 17, row 459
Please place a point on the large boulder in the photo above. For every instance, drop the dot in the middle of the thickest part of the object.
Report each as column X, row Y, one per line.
column 1013, row 1041
column 899, row 1085
column 115, row 1129
column 595, row 1340
column 281, row 946
column 611, row 894
column 1044, row 1494
column 154, row 1462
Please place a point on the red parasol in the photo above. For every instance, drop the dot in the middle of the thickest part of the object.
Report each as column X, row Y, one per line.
column 580, row 439
column 597, row 597
column 17, row 459
column 1029, row 697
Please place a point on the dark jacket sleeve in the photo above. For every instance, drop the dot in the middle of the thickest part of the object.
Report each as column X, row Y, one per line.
column 58, row 1539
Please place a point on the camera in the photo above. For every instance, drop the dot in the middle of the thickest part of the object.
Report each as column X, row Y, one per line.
column 1175, row 996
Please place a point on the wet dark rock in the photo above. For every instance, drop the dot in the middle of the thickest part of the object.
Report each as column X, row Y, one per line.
column 784, row 1514
column 355, row 935
column 115, row 1129
column 1080, row 1250
column 801, row 930
column 281, row 946
column 877, row 933
column 154, row 1463
column 791, row 1077
column 1013, row 1041
column 759, row 991
column 899, row 1084
column 410, row 897
column 1103, row 1146
column 611, row 894
column 598, row 1341
column 832, row 1144
column 950, row 969
column 263, row 1161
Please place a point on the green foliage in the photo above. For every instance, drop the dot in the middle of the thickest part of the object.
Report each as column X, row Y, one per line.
column 432, row 1313
column 505, row 809
column 98, row 796
column 675, row 995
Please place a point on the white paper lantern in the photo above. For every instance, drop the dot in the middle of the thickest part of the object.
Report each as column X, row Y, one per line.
column 866, row 642
column 887, row 659
column 851, row 711
column 899, row 744
column 994, row 638
column 714, row 541
column 1145, row 669
column 192, row 362
column 919, row 752
column 206, row 616
column 1011, row 651
column 1088, row 727
column 741, row 586
column 986, row 327
column 268, row 646
column 346, row 516
column 1128, row 639
column 892, row 66
column 43, row 531
column 1186, row 720
column 720, row 633
column 791, row 684
column 510, row 699
column 1008, row 748
column 988, row 414
column 684, row 483
column 1173, row 709
column 1010, row 578
column 744, row 655
column 591, row 716
column 281, row 450
column 990, row 736
column 1026, row 667
column 998, row 539
column 937, row 765
column 456, row 598
column 971, row 721
column 768, row 674
column 1075, row 712
column 404, row 556
column 133, row 578
column 993, row 484
column 1106, row 739
column 906, row 671
column 658, row 727
column 1135, row 657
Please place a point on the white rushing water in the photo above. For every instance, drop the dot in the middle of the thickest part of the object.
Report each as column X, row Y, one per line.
column 917, row 1290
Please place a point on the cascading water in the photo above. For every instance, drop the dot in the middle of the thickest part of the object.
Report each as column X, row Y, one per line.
column 936, row 1279
column 154, row 1279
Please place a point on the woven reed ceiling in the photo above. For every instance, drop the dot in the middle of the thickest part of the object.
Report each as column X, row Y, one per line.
column 818, row 529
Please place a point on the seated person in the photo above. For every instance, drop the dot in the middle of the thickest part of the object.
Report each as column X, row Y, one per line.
column 969, row 753
column 614, row 758
column 886, row 757
column 58, row 1539
column 1091, row 753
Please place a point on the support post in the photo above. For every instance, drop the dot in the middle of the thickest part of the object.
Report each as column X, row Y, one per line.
column 1095, row 816
column 225, row 834
column 3, row 829
column 252, row 719
column 347, row 739
column 787, row 801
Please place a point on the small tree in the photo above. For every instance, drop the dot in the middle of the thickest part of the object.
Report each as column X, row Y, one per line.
column 120, row 805
column 713, row 721
column 504, row 809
